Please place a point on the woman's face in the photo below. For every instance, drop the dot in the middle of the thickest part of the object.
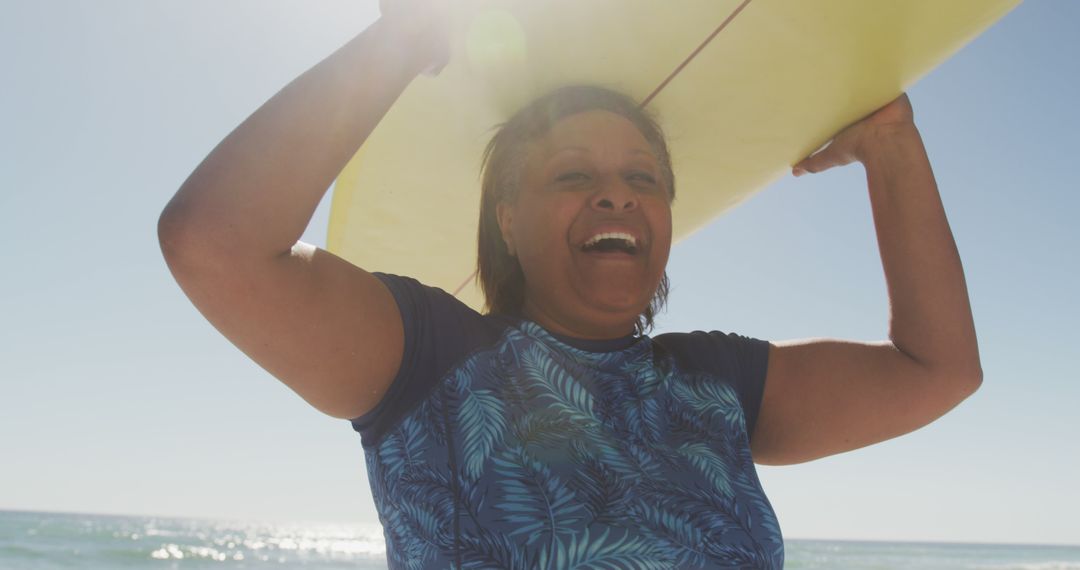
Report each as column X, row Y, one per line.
column 591, row 226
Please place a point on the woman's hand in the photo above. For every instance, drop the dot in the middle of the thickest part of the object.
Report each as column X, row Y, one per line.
column 425, row 27
column 824, row 396
column 850, row 144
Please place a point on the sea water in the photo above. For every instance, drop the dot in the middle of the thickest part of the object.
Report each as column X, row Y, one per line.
column 50, row 541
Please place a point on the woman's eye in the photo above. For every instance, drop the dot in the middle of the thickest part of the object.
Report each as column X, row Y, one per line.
column 571, row 177
column 634, row 177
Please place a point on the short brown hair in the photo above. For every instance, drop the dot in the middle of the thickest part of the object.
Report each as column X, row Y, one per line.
column 499, row 273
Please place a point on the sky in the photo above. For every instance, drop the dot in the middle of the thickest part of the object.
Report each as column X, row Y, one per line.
column 116, row 396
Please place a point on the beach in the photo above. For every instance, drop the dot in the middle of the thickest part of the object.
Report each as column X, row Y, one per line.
column 48, row 541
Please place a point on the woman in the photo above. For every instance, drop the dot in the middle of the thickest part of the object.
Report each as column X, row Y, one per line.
column 552, row 432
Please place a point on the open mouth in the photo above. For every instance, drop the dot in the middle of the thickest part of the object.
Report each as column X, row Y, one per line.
column 614, row 242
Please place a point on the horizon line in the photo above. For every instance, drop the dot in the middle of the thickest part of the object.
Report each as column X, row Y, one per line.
column 376, row 523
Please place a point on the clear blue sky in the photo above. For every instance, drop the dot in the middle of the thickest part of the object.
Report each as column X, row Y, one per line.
column 117, row 396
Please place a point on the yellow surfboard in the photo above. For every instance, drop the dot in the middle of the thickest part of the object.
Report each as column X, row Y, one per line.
column 743, row 89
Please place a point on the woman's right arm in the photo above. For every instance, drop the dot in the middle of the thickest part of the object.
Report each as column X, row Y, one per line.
column 326, row 328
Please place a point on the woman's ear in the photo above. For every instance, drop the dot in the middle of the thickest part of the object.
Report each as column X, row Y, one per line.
column 505, row 214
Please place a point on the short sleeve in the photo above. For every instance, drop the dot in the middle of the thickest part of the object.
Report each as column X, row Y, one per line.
column 752, row 363
column 741, row 360
column 436, row 335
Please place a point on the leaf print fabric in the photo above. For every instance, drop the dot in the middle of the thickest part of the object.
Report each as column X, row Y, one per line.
column 503, row 446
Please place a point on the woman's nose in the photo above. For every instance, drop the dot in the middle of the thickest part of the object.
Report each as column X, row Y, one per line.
column 615, row 196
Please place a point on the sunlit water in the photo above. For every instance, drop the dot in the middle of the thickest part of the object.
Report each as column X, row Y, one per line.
column 48, row 541
column 35, row 541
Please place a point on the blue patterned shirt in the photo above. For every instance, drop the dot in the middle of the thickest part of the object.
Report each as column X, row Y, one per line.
column 502, row 445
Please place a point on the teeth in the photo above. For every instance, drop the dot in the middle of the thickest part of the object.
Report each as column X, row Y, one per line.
column 612, row 235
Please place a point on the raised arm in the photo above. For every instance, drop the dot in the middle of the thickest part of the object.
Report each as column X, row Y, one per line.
column 329, row 330
column 824, row 397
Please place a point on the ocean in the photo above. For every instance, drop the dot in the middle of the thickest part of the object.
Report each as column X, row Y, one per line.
column 53, row 541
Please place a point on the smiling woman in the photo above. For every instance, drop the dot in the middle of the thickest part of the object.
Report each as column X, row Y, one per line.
column 552, row 431
column 555, row 150
column 547, row 429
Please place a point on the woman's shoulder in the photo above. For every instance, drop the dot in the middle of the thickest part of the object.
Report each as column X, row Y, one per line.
column 709, row 349
column 440, row 332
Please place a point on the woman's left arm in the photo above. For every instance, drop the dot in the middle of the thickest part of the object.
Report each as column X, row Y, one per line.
column 824, row 397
